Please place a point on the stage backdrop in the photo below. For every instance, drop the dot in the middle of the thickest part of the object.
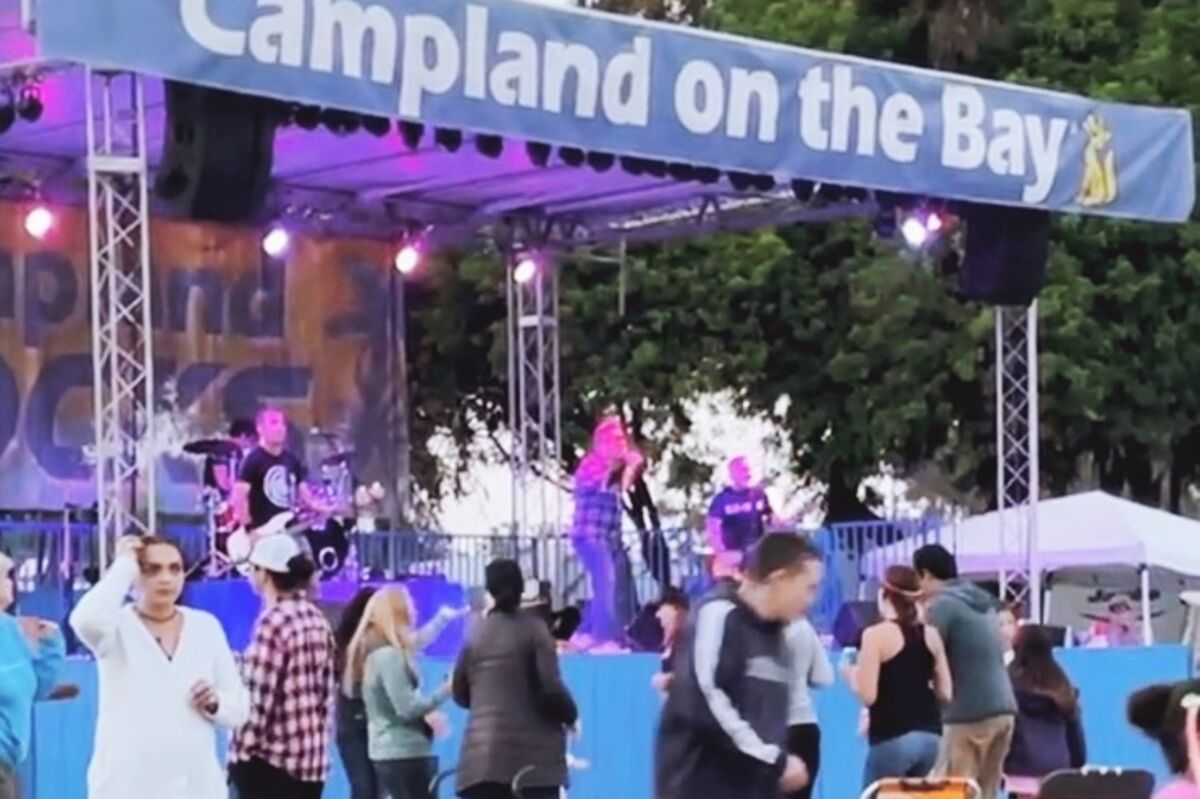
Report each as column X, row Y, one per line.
column 232, row 329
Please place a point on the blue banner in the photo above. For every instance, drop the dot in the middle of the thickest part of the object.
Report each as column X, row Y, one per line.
column 631, row 87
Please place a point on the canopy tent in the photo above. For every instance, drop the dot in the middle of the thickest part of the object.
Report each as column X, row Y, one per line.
column 1090, row 531
column 1079, row 536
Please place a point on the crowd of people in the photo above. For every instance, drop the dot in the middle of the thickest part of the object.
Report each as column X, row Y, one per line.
column 951, row 683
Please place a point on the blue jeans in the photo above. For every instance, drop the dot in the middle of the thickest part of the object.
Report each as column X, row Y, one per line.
column 607, row 565
column 911, row 755
column 360, row 773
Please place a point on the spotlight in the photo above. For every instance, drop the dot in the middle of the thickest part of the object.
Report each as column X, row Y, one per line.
column 681, row 172
column 276, row 241
column 803, row 189
column 408, row 258
column 914, row 231
column 601, row 162
column 449, row 139
column 412, row 133
column 707, row 175
column 489, row 146
column 934, row 223
column 376, row 126
column 340, row 123
column 571, row 156
column 39, row 221
column 539, row 153
column 525, row 270
column 29, row 106
column 307, row 117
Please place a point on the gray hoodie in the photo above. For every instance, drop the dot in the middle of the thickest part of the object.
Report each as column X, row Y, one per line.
column 965, row 615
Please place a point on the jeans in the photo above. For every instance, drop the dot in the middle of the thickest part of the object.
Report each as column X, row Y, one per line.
column 607, row 565
column 352, row 746
column 406, row 779
column 911, row 755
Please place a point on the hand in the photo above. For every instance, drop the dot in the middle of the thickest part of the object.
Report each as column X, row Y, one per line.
column 129, row 546
column 864, row 724
column 450, row 614
column 36, row 630
column 204, row 698
column 660, row 682
column 439, row 723
column 795, row 775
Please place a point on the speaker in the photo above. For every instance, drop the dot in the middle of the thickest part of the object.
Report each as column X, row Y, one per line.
column 218, row 149
column 1004, row 258
column 852, row 618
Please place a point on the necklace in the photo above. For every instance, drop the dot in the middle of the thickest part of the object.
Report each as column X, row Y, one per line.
column 155, row 620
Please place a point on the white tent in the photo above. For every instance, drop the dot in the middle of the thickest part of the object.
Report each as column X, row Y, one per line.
column 1092, row 531
column 1085, row 534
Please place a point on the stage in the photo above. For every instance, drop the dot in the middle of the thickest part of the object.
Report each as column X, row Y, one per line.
column 619, row 711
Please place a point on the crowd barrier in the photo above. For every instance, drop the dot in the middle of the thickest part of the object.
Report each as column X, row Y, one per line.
column 57, row 549
column 618, row 736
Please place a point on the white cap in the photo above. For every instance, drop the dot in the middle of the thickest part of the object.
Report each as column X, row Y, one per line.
column 274, row 551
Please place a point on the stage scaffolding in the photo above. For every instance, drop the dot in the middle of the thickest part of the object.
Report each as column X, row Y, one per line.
column 122, row 335
column 1017, row 453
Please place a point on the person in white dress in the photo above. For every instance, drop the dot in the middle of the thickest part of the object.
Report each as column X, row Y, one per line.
column 167, row 680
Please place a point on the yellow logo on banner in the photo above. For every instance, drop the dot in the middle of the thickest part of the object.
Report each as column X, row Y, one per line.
column 1099, row 184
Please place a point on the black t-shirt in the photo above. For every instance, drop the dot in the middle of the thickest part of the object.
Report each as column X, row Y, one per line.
column 273, row 481
column 743, row 514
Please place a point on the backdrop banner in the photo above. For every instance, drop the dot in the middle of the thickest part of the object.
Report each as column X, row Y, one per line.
column 619, row 84
column 232, row 330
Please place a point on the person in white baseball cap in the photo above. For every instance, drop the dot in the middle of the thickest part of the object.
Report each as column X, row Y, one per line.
column 290, row 672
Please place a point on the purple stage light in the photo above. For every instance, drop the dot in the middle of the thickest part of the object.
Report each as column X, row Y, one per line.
column 408, row 258
column 276, row 241
column 39, row 221
column 914, row 231
column 525, row 270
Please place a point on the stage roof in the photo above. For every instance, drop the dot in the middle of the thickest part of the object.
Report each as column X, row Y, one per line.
column 884, row 127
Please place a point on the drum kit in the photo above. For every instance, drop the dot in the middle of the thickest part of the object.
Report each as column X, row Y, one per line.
column 328, row 535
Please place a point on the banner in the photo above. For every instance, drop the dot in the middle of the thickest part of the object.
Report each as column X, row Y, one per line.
column 622, row 85
column 232, row 330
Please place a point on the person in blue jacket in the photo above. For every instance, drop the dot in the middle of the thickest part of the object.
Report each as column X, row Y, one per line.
column 31, row 656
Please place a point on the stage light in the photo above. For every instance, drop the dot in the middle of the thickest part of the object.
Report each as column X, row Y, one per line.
column 408, row 258
column 449, row 139
column 411, row 133
column 29, row 106
column 525, row 270
column 276, row 241
column 538, row 152
column 307, row 117
column 377, row 126
column 340, row 123
column 571, row 156
column 39, row 221
column 914, row 231
column 934, row 223
column 489, row 146
column 601, row 162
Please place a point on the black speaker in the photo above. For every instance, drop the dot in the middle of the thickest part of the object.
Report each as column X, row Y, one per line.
column 218, row 149
column 852, row 618
column 1004, row 258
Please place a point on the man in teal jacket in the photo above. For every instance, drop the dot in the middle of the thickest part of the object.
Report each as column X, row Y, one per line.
column 977, row 725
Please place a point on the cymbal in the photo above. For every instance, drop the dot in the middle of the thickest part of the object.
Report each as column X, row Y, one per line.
column 217, row 447
column 338, row 458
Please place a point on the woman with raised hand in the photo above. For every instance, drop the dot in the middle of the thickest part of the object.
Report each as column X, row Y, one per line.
column 401, row 722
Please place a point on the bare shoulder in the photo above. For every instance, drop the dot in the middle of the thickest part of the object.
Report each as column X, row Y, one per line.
column 933, row 639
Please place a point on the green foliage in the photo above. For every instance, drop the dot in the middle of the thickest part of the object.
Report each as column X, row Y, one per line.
column 882, row 363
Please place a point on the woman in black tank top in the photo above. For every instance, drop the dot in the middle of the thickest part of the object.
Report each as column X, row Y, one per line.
column 902, row 676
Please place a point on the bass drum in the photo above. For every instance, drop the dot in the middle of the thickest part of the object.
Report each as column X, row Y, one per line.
column 330, row 546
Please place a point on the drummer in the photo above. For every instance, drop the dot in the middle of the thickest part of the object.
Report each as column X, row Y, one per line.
column 220, row 469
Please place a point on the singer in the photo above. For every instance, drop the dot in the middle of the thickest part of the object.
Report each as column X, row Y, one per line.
column 607, row 471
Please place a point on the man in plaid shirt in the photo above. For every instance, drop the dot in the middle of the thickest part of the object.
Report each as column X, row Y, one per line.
column 283, row 750
column 603, row 475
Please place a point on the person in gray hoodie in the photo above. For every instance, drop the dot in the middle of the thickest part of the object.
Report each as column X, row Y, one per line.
column 977, row 725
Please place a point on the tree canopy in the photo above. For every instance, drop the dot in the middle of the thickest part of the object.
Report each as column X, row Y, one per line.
column 881, row 360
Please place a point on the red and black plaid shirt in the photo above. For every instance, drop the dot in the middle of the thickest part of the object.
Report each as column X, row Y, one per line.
column 289, row 671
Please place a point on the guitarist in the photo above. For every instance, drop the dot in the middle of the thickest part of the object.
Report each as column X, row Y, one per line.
column 271, row 479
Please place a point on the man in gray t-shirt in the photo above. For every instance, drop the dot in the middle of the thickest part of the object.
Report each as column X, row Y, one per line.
column 810, row 668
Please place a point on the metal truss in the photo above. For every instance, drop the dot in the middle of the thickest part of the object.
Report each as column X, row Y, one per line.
column 122, row 348
column 535, row 399
column 1017, row 454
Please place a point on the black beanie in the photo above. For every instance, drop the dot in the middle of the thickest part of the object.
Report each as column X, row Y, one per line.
column 504, row 581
